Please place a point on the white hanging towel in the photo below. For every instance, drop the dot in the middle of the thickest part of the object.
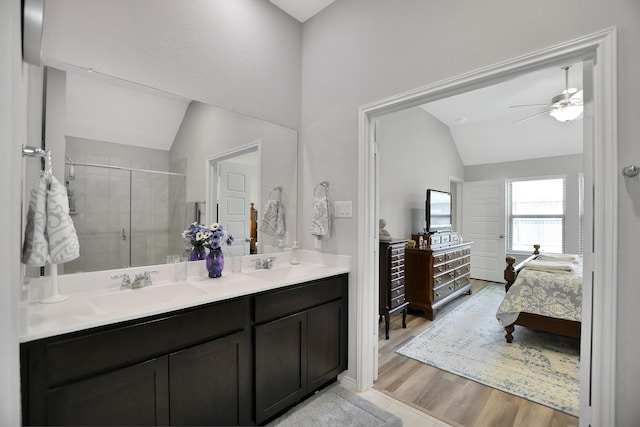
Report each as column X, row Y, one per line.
column 273, row 218
column 36, row 248
column 321, row 220
column 49, row 231
column 63, row 240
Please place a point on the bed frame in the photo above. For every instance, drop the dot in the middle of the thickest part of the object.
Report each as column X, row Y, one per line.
column 567, row 328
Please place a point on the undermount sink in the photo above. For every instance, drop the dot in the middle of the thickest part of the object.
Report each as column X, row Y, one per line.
column 150, row 296
column 275, row 273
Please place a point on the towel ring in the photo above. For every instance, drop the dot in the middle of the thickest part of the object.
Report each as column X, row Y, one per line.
column 323, row 185
column 278, row 189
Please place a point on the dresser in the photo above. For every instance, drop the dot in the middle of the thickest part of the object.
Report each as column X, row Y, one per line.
column 391, row 280
column 436, row 275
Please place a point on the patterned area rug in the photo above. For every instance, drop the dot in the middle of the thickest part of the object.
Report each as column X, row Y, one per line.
column 468, row 341
column 335, row 406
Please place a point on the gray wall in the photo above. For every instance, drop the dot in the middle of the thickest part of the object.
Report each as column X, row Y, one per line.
column 208, row 131
column 415, row 152
column 361, row 51
column 570, row 166
column 243, row 55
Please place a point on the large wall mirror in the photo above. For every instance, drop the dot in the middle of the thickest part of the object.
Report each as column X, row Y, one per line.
column 140, row 165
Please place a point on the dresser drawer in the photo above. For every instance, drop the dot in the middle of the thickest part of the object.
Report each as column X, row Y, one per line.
column 396, row 302
column 439, row 257
column 462, row 281
column 443, row 291
column 397, row 251
column 397, row 262
column 397, row 292
column 453, row 255
column 442, row 279
column 465, row 269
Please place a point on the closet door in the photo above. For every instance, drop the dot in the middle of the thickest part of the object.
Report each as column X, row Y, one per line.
column 483, row 222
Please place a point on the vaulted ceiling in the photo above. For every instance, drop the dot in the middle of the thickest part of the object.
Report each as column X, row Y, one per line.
column 482, row 121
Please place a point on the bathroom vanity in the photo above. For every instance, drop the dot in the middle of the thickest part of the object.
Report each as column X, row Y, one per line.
column 214, row 360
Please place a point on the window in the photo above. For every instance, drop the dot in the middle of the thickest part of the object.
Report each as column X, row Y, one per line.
column 536, row 215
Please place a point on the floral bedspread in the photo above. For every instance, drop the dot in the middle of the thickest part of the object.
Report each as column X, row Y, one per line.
column 544, row 293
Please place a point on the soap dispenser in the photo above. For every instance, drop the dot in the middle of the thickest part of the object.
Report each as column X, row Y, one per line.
column 294, row 254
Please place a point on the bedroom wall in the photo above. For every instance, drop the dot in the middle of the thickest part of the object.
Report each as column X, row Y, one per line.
column 570, row 166
column 415, row 152
column 361, row 51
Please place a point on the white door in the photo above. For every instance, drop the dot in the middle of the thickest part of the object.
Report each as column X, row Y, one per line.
column 234, row 200
column 483, row 222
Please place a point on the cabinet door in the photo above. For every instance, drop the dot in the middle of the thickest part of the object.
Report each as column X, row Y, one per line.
column 280, row 364
column 135, row 395
column 209, row 383
column 326, row 343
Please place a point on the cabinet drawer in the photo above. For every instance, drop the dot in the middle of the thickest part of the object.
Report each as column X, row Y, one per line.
column 397, row 282
column 397, row 251
column 441, row 280
column 396, row 302
column 396, row 292
column 462, row 281
column 452, row 255
column 466, row 251
column 273, row 304
column 90, row 352
column 465, row 269
column 443, row 291
column 397, row 262
column 439, row 257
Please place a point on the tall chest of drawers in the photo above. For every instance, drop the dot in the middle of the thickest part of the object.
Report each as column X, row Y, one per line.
column 435, row 276
column 391, row 280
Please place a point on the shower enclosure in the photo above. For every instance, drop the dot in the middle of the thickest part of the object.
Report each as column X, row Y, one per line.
column 124, row 216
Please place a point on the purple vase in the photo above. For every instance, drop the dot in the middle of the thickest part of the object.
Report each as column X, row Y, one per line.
column 198, row 253
column 215, row 263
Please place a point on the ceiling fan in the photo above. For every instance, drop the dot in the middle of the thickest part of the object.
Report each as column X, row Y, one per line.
column 564, row 107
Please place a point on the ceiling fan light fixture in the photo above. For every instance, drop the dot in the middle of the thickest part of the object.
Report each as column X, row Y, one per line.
column 566, row 113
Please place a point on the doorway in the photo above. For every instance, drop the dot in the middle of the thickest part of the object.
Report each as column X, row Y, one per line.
column 598, row 342
column 234, row 187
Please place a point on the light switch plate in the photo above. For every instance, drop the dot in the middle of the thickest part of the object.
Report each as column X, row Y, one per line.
column 343, row 209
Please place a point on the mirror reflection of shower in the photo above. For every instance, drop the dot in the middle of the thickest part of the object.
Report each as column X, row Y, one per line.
column 124, row 215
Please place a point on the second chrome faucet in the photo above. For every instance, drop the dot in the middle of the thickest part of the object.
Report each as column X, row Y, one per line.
column 266, row 263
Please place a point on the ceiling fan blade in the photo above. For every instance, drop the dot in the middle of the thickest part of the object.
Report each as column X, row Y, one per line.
column 528, row 105
column 532, row 116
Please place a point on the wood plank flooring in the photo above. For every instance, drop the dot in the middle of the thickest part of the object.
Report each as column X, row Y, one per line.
column 448, row 397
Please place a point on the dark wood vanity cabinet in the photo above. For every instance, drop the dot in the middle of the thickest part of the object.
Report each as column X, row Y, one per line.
column 300, row 342
column 235, row 362
column 191, row 367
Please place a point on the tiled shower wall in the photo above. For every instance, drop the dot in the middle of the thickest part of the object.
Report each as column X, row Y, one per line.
column 122, row 217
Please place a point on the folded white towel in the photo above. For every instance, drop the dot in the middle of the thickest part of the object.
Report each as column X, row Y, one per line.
column 551, row 267
column 559, row 257
column 36, row 248
column 321, row 220
column 63, row 240
column 273, row 218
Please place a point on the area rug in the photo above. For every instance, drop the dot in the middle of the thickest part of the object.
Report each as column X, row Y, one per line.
column 468, row 341
column 336, row 406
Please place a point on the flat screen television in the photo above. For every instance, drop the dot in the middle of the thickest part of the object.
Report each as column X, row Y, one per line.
column 438, row 211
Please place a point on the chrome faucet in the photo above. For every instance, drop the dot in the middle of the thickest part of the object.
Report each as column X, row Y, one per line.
column 266, row 263
column 142, row 280
column 126, row 280
column 139, row 281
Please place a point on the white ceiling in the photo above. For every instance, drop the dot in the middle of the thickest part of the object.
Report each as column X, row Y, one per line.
column 302, row 9
column 481, row 121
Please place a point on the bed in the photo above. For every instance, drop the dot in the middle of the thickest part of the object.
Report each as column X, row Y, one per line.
column 539, row 297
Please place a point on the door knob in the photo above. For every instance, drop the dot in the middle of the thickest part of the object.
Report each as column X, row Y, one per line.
column 502, row 236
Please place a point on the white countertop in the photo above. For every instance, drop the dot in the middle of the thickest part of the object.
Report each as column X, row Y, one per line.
column 94, row 299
